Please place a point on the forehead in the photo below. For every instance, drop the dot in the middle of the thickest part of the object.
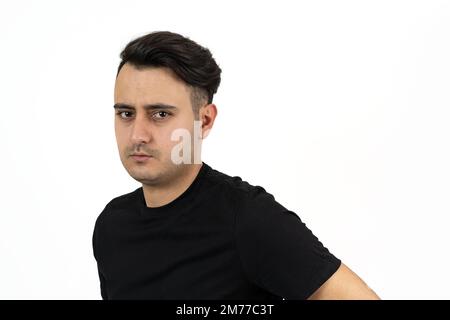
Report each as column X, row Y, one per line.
column 150, row 85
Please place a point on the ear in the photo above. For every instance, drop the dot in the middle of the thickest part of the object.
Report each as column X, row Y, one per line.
column 208, row 114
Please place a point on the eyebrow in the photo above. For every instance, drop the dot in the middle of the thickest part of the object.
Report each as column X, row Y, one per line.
column 151, row 106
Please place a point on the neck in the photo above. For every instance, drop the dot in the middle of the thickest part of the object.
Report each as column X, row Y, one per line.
column 162, row 195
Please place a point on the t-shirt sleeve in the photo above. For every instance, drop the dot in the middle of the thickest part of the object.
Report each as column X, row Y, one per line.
column 100, row 274
column 102, row 285
column 278, row 252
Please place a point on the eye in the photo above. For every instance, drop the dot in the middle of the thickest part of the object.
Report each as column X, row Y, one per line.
column 161, row 115
column 120, row 112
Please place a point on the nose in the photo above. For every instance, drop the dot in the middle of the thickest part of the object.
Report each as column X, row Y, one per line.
column 141, row 131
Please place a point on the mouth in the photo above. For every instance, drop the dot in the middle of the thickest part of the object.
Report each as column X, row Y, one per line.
column 140, row 157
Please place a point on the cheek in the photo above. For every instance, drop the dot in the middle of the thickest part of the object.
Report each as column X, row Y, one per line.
column 164, row 138
column 119, row 134
column 179, row 131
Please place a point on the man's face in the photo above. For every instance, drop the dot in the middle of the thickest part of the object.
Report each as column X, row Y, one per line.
column 149, row 130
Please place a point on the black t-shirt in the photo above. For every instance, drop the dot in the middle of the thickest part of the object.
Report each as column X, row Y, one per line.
column 222, row 238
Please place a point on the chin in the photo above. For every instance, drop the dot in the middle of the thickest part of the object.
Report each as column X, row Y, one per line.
column 147, row 179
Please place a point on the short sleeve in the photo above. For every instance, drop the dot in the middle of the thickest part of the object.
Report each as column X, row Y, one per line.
column 277, row 250
column 100, row 274
column 102, row 285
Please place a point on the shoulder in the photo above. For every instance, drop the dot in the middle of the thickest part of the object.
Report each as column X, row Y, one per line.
column 250, row 201
column 119, row 203
column 240, row 191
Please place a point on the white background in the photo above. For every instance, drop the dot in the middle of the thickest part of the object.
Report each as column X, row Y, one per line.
column 340, row 109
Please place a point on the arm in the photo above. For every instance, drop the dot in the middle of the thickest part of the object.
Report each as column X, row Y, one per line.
column 102, row 286
column 344, row 284
column 100, row 274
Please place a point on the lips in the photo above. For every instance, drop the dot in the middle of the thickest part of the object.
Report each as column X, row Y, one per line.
column 140, row 158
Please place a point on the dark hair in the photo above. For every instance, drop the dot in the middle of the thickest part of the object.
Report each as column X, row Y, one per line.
column 191, row 62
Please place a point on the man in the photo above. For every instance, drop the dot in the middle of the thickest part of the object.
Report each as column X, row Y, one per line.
column 190, row 231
